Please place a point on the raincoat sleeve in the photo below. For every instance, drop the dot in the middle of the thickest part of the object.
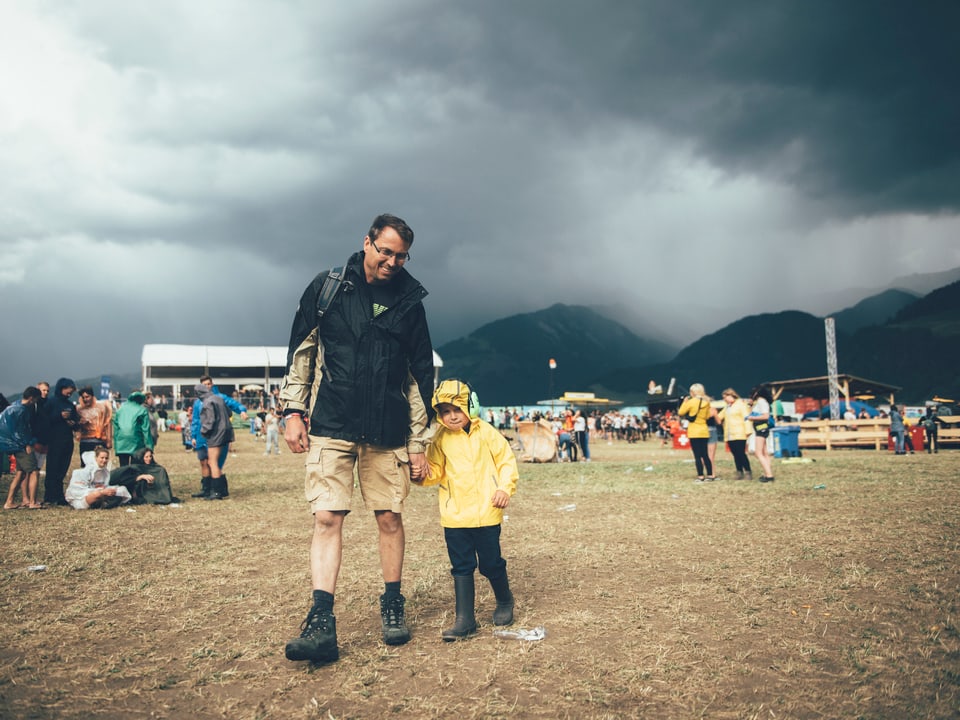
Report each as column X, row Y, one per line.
column 420, row 383
column 195, row 420
column 234, row 404
column 302, row 351
column 144, row 422
column 436, row 460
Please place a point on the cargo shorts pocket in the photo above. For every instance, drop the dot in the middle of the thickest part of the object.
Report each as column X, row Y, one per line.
column 315, row 485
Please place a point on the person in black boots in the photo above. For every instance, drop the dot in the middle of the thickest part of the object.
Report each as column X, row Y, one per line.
column 477, row 473
column 929, row 424
column 357, row 394
column 218, row 432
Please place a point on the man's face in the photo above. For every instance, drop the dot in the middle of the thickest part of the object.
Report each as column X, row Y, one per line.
column 86, row 399
column 380, row 260
column 67, row 391
column 44, row 389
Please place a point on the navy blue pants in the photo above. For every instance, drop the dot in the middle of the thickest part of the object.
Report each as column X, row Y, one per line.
column 470, row 548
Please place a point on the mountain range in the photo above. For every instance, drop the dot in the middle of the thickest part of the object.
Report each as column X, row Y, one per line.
column 906, row 335
column 896, row 336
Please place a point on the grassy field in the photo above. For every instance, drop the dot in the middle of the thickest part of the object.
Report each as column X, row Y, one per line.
column 660, row 598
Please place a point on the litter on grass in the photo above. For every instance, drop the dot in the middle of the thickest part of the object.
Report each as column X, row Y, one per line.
column 537, row 633
column 568, row 508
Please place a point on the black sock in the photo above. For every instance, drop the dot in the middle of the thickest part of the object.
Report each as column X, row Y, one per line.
column 323, row 600
column 391, row 589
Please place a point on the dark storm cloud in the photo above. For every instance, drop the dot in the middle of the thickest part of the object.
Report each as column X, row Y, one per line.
column 542, row 151
column 853, row 100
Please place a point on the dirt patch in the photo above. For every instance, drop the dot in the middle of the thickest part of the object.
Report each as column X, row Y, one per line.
column 660, row 598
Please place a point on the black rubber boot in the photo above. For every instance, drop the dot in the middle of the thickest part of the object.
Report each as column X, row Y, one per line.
column 204, row 488
column 465, row 623
column 503, row 613
column 217, row 488
column 225, row 491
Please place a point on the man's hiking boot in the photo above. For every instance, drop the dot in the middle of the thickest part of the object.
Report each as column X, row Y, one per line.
column 318, row 639
column 395, row 630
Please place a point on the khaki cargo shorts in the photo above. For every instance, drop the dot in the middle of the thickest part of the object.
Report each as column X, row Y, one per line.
column 333, row 466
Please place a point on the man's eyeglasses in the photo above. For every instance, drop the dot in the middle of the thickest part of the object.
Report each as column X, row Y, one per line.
column 388, row 253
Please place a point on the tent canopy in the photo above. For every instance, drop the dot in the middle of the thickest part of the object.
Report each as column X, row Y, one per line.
column 819, row 387
column 175, row 367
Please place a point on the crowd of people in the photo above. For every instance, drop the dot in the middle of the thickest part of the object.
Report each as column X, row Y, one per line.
column 358, row 402
column 41, row 432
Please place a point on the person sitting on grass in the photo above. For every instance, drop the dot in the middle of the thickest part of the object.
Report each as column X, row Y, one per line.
column 146, row 481
column 90, row 485
column 477, row 473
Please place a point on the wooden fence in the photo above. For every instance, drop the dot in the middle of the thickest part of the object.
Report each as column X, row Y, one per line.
column 864, row 433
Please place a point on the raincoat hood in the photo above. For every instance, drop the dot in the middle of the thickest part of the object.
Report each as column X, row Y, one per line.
column 138, row 397
column 202, row 390
column 455, row 393
column 61, row 384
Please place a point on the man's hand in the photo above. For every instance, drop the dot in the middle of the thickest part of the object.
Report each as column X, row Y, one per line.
column 296, row 434
column 419, row 469
column 501, row 499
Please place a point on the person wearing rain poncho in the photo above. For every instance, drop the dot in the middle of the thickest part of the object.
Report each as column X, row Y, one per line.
column 477, row 473
column 146, row 481
column 216, row 429
column 90, row 485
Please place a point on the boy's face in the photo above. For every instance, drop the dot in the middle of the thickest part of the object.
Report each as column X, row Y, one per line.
column 452, row 417
column 102, row 459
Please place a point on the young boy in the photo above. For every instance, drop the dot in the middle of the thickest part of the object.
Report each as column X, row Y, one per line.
column 477, row 473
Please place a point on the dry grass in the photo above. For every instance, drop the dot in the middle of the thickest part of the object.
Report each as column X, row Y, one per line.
column 661, row 598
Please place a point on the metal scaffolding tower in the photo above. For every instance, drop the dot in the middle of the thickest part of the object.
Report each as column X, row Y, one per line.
column 830, row 331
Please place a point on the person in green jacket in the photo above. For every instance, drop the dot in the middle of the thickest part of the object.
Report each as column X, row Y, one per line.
column 131, row 428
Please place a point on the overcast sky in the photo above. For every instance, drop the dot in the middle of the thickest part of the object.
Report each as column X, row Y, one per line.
column 177, row 172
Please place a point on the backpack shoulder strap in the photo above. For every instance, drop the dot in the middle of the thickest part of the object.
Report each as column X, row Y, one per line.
column 331, row 286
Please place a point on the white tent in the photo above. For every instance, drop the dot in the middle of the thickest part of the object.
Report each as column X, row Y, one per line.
column 170, row 368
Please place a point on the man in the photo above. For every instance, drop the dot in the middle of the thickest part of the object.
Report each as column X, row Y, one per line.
column 61, row 420
column 39, row 416
column 200, row 443
column 17, row 438
column 929, row 424
column 96, row 426
column 364, row 373
column 131, row 428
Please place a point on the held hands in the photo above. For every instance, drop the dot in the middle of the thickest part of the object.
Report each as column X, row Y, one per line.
column 501, row 499
column 419, row 469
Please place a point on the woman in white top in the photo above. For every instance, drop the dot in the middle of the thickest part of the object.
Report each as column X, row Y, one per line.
column 760, row 417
